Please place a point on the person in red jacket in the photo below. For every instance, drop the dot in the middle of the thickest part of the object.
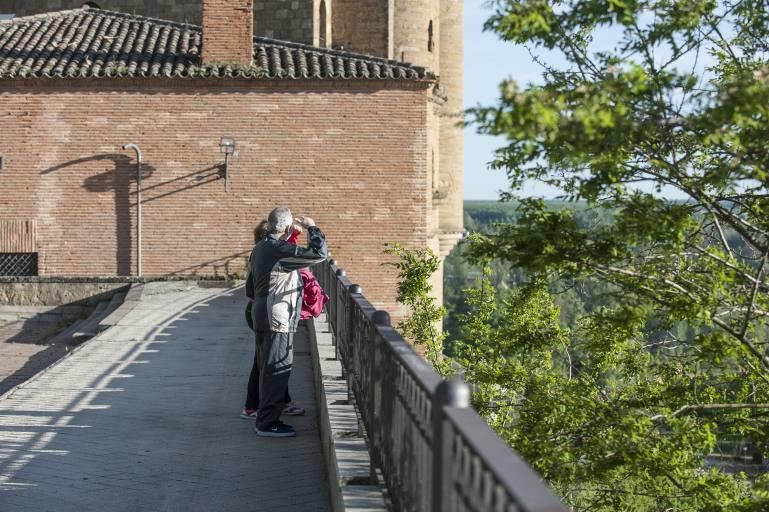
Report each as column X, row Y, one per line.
column 313, row 296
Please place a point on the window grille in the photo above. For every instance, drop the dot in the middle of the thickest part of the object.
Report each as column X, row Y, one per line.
column 18, row 264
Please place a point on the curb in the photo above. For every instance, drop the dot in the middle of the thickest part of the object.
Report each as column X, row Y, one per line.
column 132, row 298
column 351, row 485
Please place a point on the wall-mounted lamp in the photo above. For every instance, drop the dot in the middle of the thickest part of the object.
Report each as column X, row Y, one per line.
column 228, row 147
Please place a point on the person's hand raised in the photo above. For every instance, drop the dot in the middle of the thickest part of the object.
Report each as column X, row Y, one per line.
column 305, row 221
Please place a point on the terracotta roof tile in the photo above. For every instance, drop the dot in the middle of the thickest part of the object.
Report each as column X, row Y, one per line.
column 95, row 43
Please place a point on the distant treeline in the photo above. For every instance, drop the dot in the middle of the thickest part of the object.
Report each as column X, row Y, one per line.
column 460, row 273
column 573, row 301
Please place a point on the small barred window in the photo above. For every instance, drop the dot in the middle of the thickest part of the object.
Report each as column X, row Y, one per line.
column 14, row 264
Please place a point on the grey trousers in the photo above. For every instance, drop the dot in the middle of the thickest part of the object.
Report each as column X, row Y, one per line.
column 275, row 356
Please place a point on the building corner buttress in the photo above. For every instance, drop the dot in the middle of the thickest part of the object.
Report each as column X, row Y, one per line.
column 451, row 165
column 428, row 33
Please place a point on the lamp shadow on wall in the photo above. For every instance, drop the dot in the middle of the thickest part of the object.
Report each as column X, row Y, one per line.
column 120, row 178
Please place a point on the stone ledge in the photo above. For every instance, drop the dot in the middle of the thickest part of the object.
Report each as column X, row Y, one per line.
column 132, row 298
column 363, row 498
column 111, row 279
column 347, row 458
column 56, row 291
column 64, row 338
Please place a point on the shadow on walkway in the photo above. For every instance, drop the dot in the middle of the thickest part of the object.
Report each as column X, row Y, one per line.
column 145, row 417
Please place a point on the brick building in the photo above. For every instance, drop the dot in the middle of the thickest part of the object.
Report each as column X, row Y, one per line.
column 349, row 138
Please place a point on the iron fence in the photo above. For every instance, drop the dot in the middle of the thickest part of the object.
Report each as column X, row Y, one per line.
column 434, row 453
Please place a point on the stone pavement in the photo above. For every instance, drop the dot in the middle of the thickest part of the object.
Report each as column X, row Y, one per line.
column 144, row 417
column 21, row 361
column 27, row 334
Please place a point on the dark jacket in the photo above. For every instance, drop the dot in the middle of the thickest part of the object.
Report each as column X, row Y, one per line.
column 273, row 281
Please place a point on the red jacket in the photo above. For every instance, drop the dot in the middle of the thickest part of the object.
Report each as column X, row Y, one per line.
column 313, row 296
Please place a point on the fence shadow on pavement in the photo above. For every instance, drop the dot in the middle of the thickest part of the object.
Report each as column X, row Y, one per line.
column 145, row 417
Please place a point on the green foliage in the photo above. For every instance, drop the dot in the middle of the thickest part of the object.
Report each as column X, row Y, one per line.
column 422, row 327
column 670, row 365
column 228, row 69
column 596, row 410
column 599, row 410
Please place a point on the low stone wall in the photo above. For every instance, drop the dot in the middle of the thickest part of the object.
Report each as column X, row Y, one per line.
column 49, row 314
column 352, row 485
column 57, row 292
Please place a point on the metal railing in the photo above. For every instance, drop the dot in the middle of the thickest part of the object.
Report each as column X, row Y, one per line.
column 433, row 452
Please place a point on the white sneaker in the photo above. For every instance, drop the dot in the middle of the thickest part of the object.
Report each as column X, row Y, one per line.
column 248, row 414
column 291, row 409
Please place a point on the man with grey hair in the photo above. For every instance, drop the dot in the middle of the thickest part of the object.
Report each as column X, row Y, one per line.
column 274, row 281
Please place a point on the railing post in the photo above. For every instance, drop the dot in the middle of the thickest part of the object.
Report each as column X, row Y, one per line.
column 449, row 393
column 329, row 274
column 339, row 318
column 382, row 318
column 351, row 348
column 329, row 284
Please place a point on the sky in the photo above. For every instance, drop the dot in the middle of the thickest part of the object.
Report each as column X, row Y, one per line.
column 488, row 61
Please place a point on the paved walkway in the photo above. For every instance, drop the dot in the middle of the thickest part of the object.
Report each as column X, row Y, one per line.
column 145, row 418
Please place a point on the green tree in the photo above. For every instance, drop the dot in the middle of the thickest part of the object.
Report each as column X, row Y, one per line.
column 631, row 115
column 579, row 408
column 679, row 102
column 423, row 325
column 591, row 410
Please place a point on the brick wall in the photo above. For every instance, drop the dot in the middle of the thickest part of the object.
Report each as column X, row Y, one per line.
column 452, row 60
column 352, row 155
column 290, row 20
column 228, row 31
column 362, row 26
column 416, row 32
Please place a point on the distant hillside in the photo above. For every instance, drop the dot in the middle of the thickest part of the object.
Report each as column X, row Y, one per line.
column 479, row 214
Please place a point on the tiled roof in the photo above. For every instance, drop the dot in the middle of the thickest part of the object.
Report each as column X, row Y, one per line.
column 95, row 43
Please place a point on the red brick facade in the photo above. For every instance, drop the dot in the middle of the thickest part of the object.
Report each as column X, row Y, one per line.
column 351, row 154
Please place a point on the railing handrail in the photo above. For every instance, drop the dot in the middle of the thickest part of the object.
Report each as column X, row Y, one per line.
column 528, row 486
column 425, row 375
column 435, row 454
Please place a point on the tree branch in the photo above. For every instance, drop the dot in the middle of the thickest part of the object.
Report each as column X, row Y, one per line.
column 707, row 407
column 752, row 299
column 743, row 339
column 722, row 236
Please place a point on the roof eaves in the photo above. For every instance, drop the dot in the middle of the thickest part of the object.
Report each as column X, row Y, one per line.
column 274, row 59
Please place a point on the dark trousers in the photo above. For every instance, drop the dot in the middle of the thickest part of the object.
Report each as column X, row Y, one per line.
column 275, row 359
column 252, row 397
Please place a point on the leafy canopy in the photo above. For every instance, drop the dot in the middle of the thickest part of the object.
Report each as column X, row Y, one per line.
column 650, row 99
column 422, row 326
